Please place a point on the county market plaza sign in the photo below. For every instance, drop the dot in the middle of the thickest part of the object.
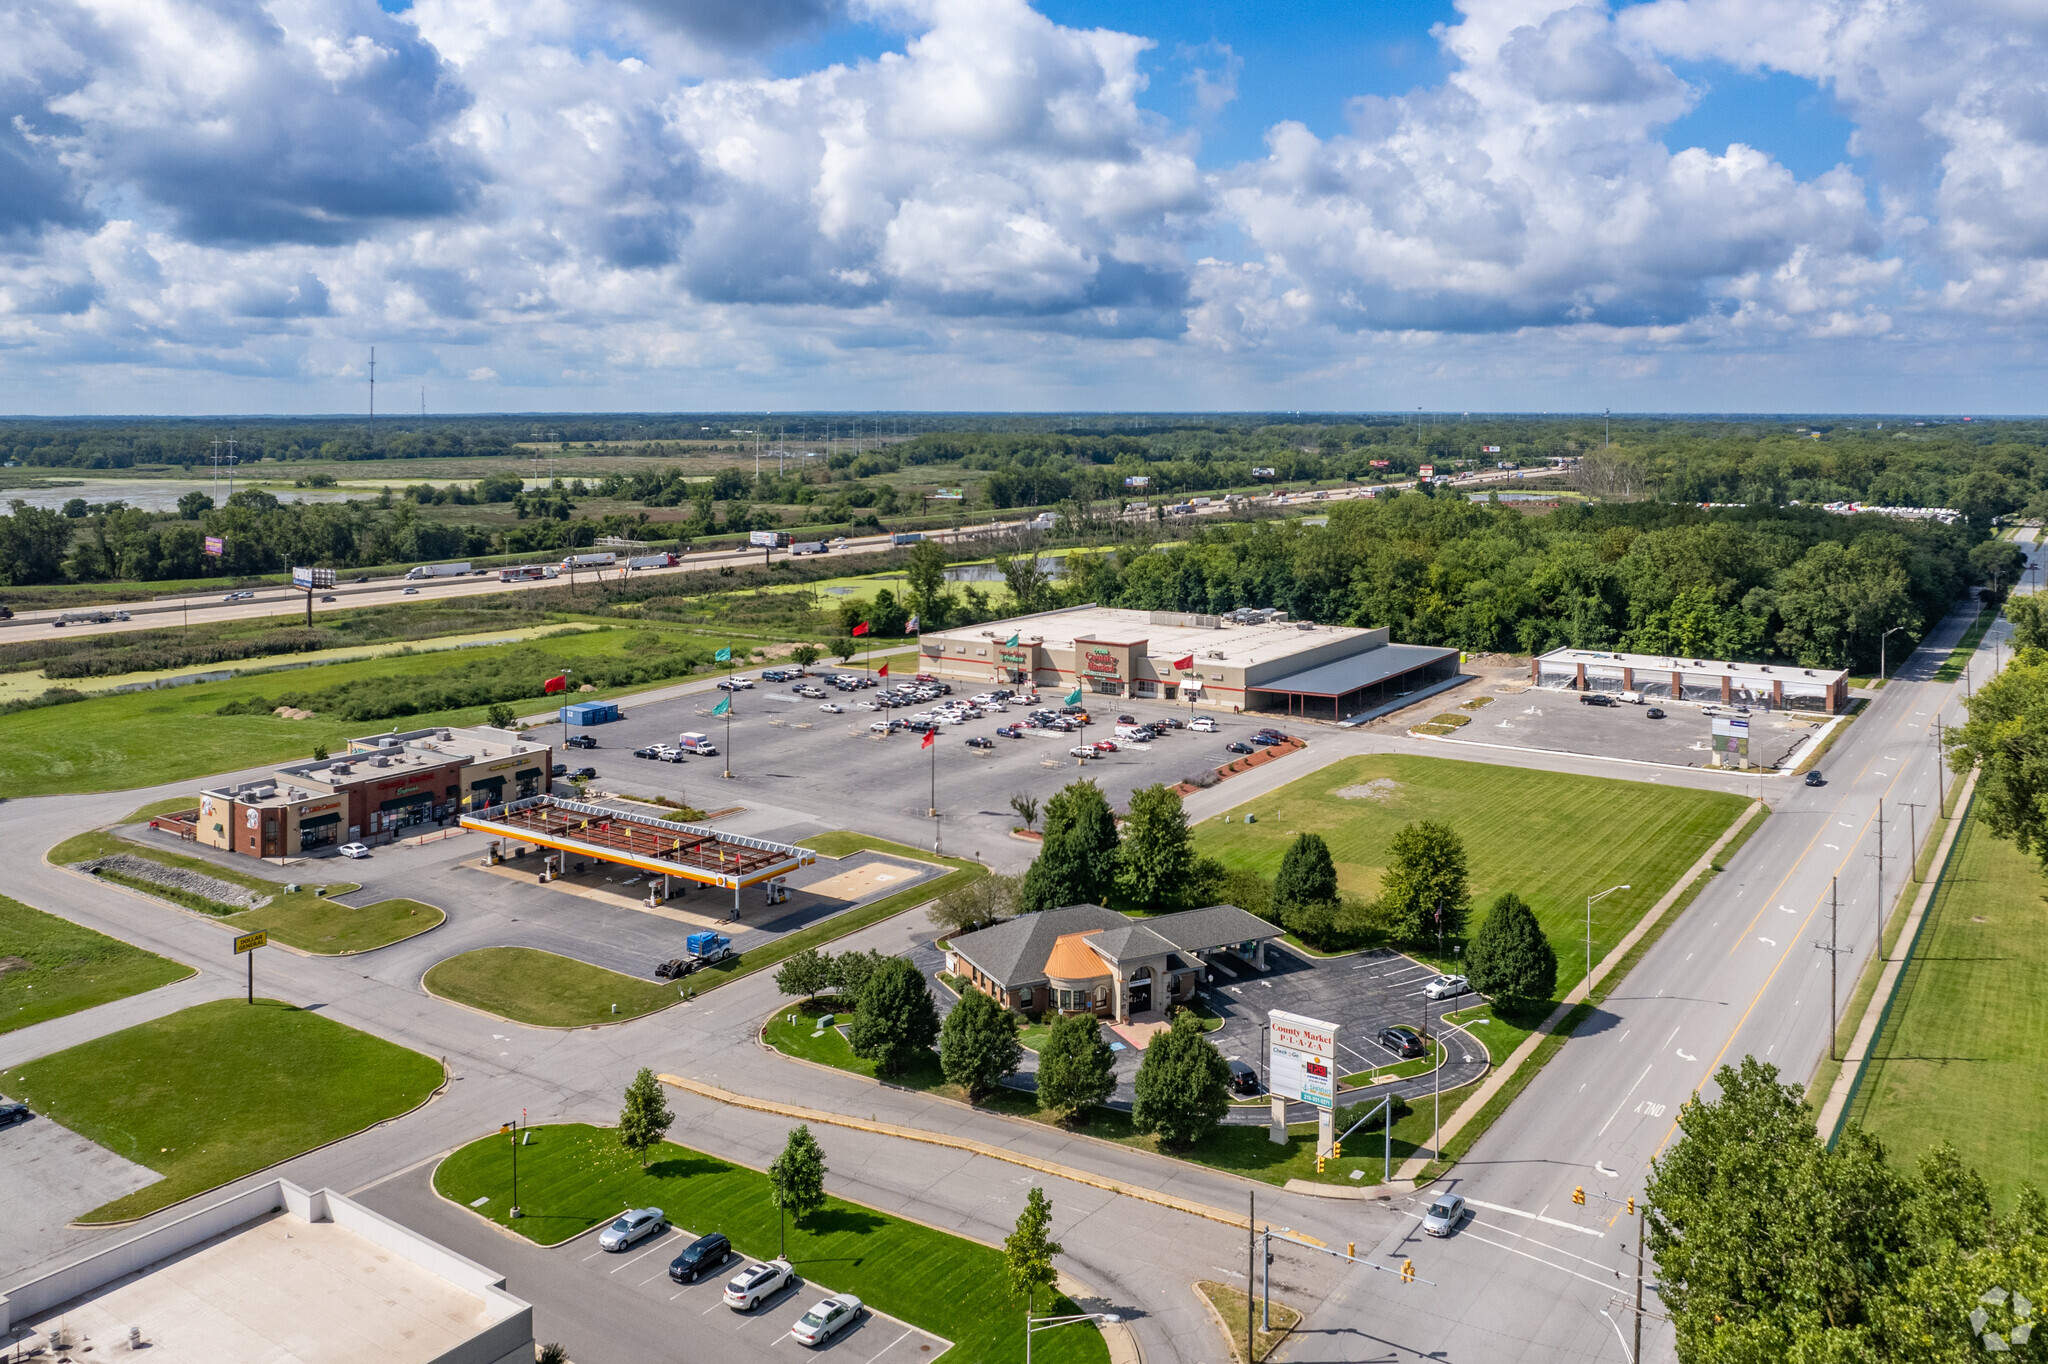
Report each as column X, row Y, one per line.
column 1302, row 1062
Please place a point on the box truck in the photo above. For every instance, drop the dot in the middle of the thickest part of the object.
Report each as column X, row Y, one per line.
column 690, row 741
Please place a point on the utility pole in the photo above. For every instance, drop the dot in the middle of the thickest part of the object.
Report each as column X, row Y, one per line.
column 1913, row 838
column 1834, row 952
column 1641, row 1210
column 1881, row 914
column 1251, row 1266
column 373, row 397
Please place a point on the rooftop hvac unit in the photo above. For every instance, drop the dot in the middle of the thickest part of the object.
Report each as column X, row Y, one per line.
column 1304, row 625
column 387, row 741
column 382, row 761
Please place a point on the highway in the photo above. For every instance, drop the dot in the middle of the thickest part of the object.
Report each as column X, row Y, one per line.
column 208, row 608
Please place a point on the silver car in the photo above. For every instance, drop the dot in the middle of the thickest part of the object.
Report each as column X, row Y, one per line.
column 1446, row 987
column 1444, row 1215
column 633, row 1225
column 827, row 1319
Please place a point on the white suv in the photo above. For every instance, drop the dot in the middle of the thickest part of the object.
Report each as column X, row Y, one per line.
column 1202, row 724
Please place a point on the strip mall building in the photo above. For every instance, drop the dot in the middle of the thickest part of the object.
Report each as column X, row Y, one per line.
column 384, row 785
column 1254, row 660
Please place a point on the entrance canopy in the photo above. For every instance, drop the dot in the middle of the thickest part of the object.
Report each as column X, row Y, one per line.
column 665, row 847
column 1350, row 684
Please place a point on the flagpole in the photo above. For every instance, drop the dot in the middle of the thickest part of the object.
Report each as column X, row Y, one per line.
column 728, row 709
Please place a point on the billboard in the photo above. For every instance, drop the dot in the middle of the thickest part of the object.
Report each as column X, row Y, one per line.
column 1302, row 1062
column 1489, row 449
column 1427, row 471
column 768, row 539
column 311, row 578
column 1138, row 480
column 214, row 546
column 1731, row 735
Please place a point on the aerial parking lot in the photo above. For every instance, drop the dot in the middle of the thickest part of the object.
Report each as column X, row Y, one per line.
column 830, row 770
column 1559, row 722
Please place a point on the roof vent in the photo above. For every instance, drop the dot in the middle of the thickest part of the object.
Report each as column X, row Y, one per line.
column 1304, row 625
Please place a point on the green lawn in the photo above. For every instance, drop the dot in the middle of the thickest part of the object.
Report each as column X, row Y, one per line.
column 1240, row 1150
column 1525, row 831
column 50, row 967
column 1963, row 1056
column 574, row 1177
column 216, row 1091
column 545, row 990
column 301, row 919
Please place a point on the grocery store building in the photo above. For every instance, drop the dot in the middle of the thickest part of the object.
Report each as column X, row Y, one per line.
column 1251, row 660
column 1779, row 686
column 383, row 786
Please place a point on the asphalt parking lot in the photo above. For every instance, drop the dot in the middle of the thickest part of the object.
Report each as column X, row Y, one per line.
column 49, row 1175
column 1557, row 722
column 827, row 771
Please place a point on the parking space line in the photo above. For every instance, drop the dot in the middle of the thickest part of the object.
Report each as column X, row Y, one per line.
column 645, row 1253
column 890, row 1346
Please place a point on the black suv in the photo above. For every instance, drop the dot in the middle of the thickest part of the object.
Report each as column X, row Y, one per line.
column 700, row 1257
column 1243, row 1079
column 1403, row 1041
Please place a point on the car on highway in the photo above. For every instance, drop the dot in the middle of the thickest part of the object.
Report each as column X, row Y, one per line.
column 579, row 741
column 1814, row 778
column 1654, row 713
column 1239, row 746
column 700, row 1257
column 1403, row 1041
column 757, row 1283
column 827, row 1319
column 1202, row 724
column 353, row 850
column 1446, row 987
column 1444, row 1215
column 412, row 591
column 633, row 1226
column 327, row 599
column 11, row 1114
column 980, row 741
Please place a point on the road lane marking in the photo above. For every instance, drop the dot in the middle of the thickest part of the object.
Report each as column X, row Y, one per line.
column 1534, row 1217
column 1685, row 1055
column 1624, row 1101
column 1772, row 941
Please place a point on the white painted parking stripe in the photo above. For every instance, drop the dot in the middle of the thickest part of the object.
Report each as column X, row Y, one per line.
column 886, row 1348
column 645, row 1253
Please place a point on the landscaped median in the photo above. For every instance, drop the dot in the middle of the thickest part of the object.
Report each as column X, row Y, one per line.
column 311, row 922
column 50, row 967
column 575, row 1177
column 214, row 1092
column 545, row 990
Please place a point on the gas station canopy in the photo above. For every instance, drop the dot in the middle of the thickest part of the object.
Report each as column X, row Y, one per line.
column 665, row 847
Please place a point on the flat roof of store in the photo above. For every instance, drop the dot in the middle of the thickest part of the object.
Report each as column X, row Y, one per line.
column 280, row 1288
column 1668, row 663
column 1342, row 676
column 1168, row 634
column 694, row 852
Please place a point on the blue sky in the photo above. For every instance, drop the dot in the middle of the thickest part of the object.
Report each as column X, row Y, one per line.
column 1525, row 204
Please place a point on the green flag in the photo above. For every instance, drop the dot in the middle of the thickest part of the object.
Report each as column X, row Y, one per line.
column 722, row 656
column 1075, row 698
column 723, row 707
column 1011, row 642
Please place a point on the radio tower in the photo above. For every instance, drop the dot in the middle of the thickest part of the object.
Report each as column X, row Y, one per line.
column 373, row 397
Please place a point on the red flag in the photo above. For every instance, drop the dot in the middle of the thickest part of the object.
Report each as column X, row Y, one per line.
column 883, row 671
column 555, row 684
column 860, row 629
column 1185, row 664
column 931, row 736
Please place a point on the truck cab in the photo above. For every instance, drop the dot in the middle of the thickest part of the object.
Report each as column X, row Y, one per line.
column 707, row 947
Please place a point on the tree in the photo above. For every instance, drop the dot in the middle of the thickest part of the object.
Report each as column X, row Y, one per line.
column 1999, row 564
column 319, row 753
column 925, row 576
column 1027, row 580
column 1076, row 863
column 851, row 972
column 796, row 1181
column 845, row 647
column 1183, row 1084
column 1307, row 880
column 1028, row 1250
column 804, row 655
column 1509, row 958
column 193, row 505
column 805, row 974
column 2006, row 740
column 1076, row 1068
column 986, row 900
column 1425, row 877
column 1156, row 862
column 645, row 1119
column 978, row 1046
column 1026, row 806
column 501, row 716
column 554, row 1352
column 2029, row 617
column 895, row 1021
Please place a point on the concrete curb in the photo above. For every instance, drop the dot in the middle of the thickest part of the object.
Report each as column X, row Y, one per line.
column 1858, row 1052
column 967, row 1144
column 1412, row 1168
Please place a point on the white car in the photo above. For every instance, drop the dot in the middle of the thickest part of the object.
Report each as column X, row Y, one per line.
column 1446, row 987
column 881, row 727
column 1202, row 724
column 833, row 708
column 757, row 1283
column 1444, row 1215
column 633, row 1225
column 353, row 850
column 827, row 1319
column 743, row 684
column 987, row 698
column 1083, row 751
column 865, row 705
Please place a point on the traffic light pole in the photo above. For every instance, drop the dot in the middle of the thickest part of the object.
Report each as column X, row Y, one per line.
column 1349, row 1255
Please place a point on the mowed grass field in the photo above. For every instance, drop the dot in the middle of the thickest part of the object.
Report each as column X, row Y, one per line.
column 211, row 1093
column 50, row 967
column 1551, row 838
column 549, row 991
column 143, row 738
column 1963, row 1056
column 573, row 1177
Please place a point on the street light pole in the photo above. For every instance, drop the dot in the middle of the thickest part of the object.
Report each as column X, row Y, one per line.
column 1033, row 1325
column 1589, row 936
column 1880, row 649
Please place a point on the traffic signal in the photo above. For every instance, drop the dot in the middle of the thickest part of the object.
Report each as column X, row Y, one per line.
column 1631, row 1205
column 1579, row 1195
column 1336, row 1150
column 1319, row 1164
column 1351, row 1250
column 1407, row 1271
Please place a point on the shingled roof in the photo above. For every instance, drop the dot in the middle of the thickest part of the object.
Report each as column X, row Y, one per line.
column 1015, row 953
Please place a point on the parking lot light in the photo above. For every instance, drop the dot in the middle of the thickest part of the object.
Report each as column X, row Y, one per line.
column 1589, row 936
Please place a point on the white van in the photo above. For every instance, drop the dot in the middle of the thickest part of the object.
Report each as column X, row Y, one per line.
column 692, row 742
column 1136, row 734
column 1633, row 698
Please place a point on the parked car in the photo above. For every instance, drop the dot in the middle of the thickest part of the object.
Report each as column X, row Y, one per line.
column 1083, row 751
column 827, row 1320
column 1596, row 698
column 1127, row 719
column 1403, row 1041
column 1107, row 746
column 728, row 684
column 559, row 770
column 776, row 675
column 1654, row 713
column 700, row 1257
column 648, row 752
column 1010, row 731
column 579, row 741
column 1814, row 778
column 1239, row 746
column 1243, row 1079
column 757, row 1283
column 1444, row 1215
column 584, row 774
column 634, row 1225
column 1202, row 724
column 353, row 850
column 1446, row 987
column 833, row 708
column 672, row 755
column 1169, row 723
column 11, row 1114
column 980, row 741
column 1264, row 739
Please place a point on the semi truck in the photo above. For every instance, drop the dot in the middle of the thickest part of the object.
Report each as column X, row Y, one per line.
column 604, row 560
column 706, row 947
column 809, row 547
column 652, row 561
column 437, row 571
column 905, row 538
column 86, row 618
